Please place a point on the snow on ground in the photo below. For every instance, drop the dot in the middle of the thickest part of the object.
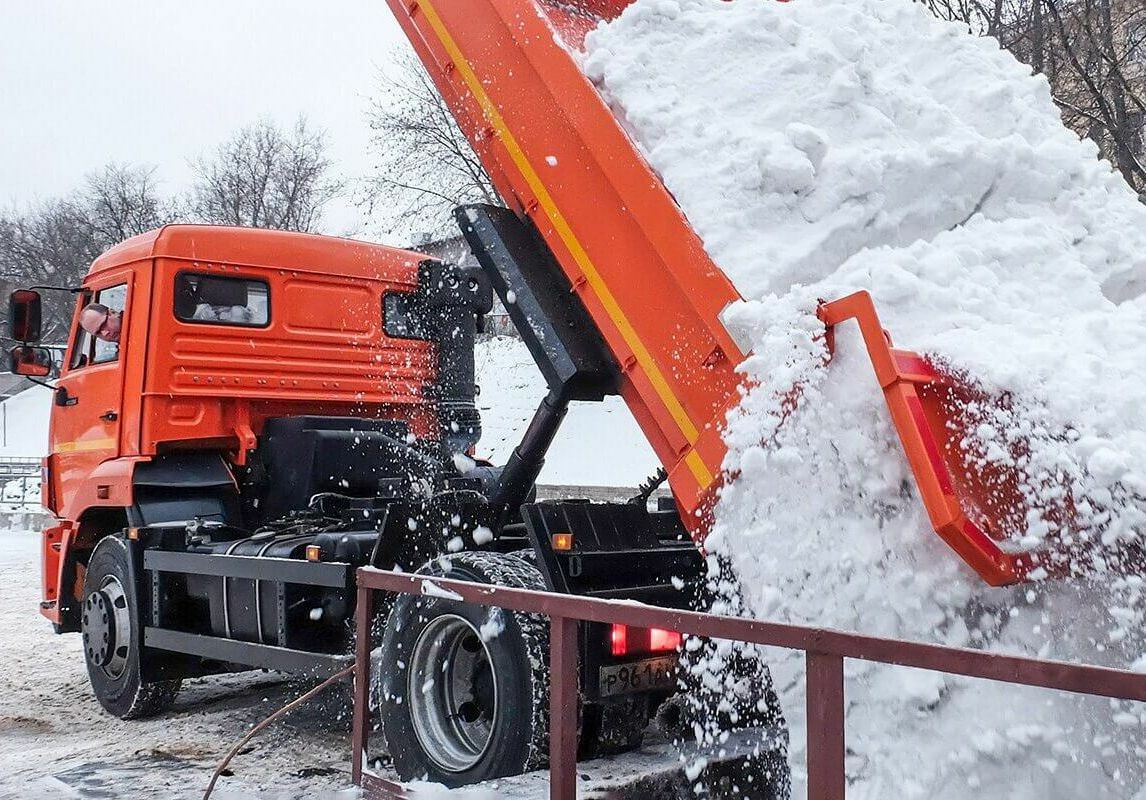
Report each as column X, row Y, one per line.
column 24, row 424
column 56, row 742
column 834, row 145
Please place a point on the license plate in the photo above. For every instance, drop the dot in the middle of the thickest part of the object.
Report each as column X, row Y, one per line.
column 638, row 676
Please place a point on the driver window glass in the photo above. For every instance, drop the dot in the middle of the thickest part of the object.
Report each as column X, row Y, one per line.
column 88, row 348
column 82, row 351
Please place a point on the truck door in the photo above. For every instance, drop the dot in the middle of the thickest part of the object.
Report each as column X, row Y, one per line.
column 89, row 398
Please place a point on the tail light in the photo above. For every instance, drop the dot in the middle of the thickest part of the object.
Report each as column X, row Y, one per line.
column 619, row 639
column 661, row 640
column 624, row 640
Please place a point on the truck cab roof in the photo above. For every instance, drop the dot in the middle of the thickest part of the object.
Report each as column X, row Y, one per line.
column 287, row 250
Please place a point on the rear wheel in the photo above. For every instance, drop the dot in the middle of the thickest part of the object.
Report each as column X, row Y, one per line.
column 464, row 689
column 109, row 623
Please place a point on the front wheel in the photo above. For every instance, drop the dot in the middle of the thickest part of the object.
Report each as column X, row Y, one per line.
column 109, row 623
column 464, row 689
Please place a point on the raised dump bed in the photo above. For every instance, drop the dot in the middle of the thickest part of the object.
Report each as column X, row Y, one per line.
column 560, row 158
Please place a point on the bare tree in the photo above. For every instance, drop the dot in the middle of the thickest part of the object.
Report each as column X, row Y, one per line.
column 54, row 242
column 121, row 201
column 1101, row 76
column 51, row 244
column 424, row 165
column 264, row 177
column 983, row 17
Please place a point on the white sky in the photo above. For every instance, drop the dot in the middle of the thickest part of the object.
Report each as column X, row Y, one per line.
column 158, row 82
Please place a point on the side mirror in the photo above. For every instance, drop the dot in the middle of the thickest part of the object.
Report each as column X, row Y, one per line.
column 35, row 362
column 24, row 315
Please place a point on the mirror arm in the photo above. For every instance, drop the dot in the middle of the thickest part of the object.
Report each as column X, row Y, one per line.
column 39, row 382
column 72, row 289
column 63, row 398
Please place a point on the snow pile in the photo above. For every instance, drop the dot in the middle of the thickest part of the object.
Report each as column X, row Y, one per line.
column 824, row 146
column 20, row 494
column 425, row 790
column 24, row 424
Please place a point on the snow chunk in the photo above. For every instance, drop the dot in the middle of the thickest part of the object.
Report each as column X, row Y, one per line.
column 493, row 626
column 482, row 535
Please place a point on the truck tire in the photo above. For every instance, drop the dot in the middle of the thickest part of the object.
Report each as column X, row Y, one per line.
column 528, row 555
column 464, row 689
column 109, row 623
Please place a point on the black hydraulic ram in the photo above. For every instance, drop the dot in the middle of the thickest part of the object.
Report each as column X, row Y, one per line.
column 560, row 335
column 445, row 309
column 524, row 465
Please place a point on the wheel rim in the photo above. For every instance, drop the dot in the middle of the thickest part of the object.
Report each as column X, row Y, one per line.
column 107, row 627
column 452, row 691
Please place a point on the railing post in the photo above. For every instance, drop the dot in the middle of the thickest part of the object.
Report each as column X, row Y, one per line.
column 826, row 779
column 562, row 708
column 361, row 734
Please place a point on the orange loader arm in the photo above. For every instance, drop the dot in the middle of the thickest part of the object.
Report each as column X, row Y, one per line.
column 915, row 393
column 558, row 155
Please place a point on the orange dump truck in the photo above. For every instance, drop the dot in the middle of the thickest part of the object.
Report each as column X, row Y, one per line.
column 281, row 409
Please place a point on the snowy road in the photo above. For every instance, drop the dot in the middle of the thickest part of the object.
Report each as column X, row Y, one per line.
column 56, row 742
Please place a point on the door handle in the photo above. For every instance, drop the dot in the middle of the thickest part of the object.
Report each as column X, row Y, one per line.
column 110, row 416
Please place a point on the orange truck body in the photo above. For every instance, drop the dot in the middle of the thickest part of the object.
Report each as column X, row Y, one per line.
column 180, row 385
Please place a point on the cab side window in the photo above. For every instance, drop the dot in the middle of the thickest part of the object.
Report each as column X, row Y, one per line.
column 88, row 348
column 218, row 300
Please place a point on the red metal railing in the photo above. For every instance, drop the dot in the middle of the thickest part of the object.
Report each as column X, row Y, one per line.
column 825, row 649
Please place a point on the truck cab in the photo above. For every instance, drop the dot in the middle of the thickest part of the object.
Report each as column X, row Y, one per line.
column 220, row 330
